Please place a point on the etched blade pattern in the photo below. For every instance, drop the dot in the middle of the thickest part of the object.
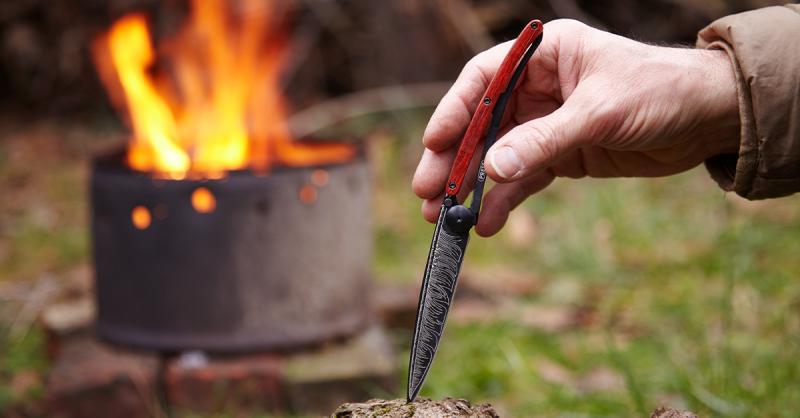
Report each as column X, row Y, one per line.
column 438, row 288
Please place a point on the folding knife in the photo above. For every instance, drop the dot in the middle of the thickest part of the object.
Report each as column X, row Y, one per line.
column 451, row 235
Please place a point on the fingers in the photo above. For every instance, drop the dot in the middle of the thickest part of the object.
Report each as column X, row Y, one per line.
column 434, row 168
column 432, row 172
column 451, row 117
column 503, row 198
column 537, row 144
column 498, row 202
column 450, row 120
column 434, row 187
column 430, row 209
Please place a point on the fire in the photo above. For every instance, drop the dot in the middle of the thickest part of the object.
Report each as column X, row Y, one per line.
column 219, row 107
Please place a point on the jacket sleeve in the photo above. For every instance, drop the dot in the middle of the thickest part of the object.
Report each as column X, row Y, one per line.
column 764, row 47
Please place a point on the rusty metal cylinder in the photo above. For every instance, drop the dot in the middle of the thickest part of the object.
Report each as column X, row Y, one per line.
column 247, row 262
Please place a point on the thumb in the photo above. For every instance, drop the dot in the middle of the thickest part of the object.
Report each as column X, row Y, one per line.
column 535, row 145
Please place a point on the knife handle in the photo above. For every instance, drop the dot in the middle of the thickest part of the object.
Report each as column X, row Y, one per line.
column 483, row 115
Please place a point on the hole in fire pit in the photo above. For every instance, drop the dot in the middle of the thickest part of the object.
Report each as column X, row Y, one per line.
column 203, row 201
column 307, row 194
column 320, row 178
column 141, row 218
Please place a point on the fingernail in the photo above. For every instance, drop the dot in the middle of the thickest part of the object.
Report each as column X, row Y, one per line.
column 506, row 162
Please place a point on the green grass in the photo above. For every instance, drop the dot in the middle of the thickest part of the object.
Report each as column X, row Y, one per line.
column 22, row 354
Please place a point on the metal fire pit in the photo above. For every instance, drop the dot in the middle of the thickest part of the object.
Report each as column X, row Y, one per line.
column 282, row 261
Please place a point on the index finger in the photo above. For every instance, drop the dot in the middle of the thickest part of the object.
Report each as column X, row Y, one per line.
column 451, row 117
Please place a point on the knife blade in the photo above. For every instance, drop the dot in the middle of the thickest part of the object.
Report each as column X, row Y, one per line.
column 441, row 274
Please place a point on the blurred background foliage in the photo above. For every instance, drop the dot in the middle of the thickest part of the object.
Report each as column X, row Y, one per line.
column 599, row 298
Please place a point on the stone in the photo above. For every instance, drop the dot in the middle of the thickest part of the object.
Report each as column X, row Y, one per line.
column 358, row 369
column 309, row 382
column 93, row 379
column 63, row 319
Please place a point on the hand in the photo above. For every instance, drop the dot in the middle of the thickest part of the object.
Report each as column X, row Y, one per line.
column 590, row 104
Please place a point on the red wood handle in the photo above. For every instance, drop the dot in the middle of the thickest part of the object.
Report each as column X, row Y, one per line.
column 483, row 115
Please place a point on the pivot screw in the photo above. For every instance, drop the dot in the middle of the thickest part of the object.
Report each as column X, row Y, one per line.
column 459, row 219
column 451, row 186
column 534, row 25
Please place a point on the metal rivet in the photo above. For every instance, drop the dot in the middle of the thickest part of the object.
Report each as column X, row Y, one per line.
column 534, row 25
column 451, row 185
column 487, row 100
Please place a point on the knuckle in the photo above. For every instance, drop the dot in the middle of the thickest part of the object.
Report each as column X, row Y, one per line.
column 567, row 25
column 473, row 67
column 540, row 140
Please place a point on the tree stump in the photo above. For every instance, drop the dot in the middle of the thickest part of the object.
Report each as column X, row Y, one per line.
column 421, row 408
column 447, row 408
column 671, row 413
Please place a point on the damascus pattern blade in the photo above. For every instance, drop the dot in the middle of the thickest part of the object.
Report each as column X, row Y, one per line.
column 438, row 288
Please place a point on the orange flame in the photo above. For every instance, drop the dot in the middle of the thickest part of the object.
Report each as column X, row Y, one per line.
column 220, row 108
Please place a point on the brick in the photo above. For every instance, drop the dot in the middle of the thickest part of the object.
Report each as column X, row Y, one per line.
column 93, row 379
column 242, row 384
column 355, row 370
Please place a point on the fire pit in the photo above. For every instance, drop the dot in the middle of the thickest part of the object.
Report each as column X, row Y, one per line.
column 241, row 263
column 214, row 229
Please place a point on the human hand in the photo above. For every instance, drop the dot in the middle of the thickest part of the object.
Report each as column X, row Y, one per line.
column 589, row 104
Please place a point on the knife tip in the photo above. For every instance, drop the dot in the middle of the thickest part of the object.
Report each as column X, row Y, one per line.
column 412, row 393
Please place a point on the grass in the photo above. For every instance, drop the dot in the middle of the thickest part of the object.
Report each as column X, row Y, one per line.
column 694, row 297
column 20, row 356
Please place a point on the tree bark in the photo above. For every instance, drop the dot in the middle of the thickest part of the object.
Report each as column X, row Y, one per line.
column 421, row 408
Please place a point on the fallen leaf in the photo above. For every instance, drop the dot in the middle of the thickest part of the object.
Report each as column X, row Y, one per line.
column 473, row 310
column 546, row 318
column 601, row 379
column 554, row 373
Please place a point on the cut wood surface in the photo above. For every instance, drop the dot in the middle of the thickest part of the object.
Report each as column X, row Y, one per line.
column 445, row 408
column 671, row 413
column 421, row 408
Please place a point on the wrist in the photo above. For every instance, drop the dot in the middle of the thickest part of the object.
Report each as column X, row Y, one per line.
column 719, row 103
